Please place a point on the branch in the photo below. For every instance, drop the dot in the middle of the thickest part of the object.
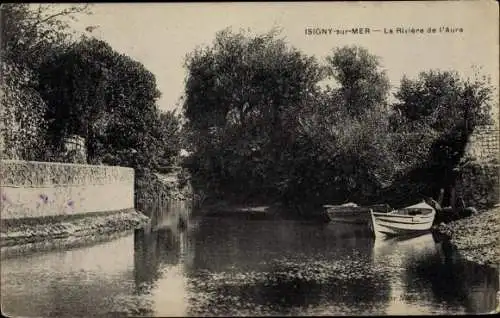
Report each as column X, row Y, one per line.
column 64, row 12
column 60, row 13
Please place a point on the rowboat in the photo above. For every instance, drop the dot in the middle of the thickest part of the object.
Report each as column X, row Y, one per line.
column 413, row 219
column 352, row 213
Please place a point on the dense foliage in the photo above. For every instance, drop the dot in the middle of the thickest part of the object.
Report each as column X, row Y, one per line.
column 110, row 100
column 241, row 95
column 55, row 86
column 28, row 36
column 441, row 104
column 31, row 32
column 259, row 120
column 263, row 125
column 22, row 126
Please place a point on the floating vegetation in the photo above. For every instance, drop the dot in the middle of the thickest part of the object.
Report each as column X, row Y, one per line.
column 317, row 271
column 282, row 287
column 131, row 305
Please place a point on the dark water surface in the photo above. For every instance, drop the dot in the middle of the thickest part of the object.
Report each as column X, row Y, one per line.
column 240, row 267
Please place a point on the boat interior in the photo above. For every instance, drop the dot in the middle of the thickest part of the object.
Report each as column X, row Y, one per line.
column 414, row 211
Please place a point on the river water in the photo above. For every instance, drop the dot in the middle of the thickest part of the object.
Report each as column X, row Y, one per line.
column 226, row 266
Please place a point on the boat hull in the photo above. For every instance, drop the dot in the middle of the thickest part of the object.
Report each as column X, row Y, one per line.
column 350, row 220
column 349, row 215
column 394, row 224
column 353, row 214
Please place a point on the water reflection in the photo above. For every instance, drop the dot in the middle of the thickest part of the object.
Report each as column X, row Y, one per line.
column 428, row 277
column 225, row 243
column 161, row 253
column 152, row 249
column 172, row 214
column 221, row 266
column 454, row 281
column 76, row 282
column 283, row 267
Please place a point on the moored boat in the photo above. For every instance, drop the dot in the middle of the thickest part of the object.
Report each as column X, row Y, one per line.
column 409, row 220
column 352, row 213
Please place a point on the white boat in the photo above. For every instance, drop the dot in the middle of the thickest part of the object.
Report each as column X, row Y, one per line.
column 410, row 220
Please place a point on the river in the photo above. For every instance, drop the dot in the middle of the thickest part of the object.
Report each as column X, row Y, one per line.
column 226, row 266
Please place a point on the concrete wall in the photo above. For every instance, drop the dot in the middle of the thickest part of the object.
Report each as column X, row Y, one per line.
column 36, row 189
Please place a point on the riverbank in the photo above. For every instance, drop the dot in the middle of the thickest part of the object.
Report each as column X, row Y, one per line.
column 477, row 237
column 23, row 232
column 225, row 209
column 152, row 190
column 260, row 211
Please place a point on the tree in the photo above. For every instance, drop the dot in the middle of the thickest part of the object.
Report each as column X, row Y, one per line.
column 363, row 84
column 28, row 36
column 348, row 158
column 76, row 84
column 246, row 75
column 344, row 139
column 239, row 97
column 169, row 133
column 449, row 108
column 106, row 97
column 443, row 100
column 31, row 32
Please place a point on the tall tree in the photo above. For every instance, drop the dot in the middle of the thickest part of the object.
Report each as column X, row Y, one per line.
column 443, row 100
column 239, row 92
column 364, row 85
column 75, row 84
column 169, row 130
column 344, row 133
column 246, row 74
column 29, row 34
column 106, row 97
column 442, row 104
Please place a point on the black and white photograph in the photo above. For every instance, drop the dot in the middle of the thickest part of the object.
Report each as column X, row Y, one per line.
column 221, row 159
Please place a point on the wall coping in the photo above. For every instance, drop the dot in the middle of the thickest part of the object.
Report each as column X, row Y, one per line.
column 62, row 164
column 35, row 188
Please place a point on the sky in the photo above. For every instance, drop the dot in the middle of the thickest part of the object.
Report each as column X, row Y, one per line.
column 161, row 34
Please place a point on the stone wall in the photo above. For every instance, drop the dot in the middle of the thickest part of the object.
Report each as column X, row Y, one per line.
column 75, row 149
column 479, row 180
column 479, row 184
column 484, row 144
column 37, row 189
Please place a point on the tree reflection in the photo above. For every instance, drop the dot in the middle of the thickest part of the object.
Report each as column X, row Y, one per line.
column 455, row 281
column 159, row 244
column 152, row 249
column 223, row 244
column 267, row 267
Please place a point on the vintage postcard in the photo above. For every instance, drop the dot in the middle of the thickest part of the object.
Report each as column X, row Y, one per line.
column 249, row 159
